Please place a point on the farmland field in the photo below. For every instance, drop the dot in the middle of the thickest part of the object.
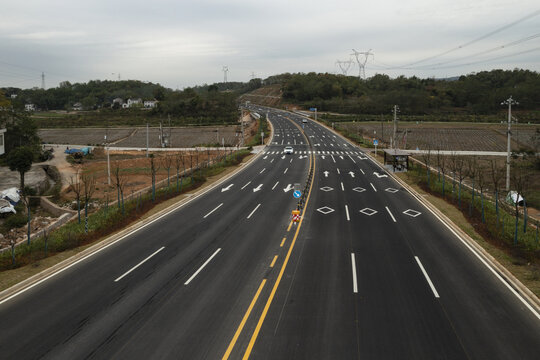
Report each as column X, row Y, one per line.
column 136, row 136
column 450, row 136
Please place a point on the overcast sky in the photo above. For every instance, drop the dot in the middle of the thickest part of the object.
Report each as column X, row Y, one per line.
column 187, row 42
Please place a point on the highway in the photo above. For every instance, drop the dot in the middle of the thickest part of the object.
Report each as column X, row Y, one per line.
column 369, row 273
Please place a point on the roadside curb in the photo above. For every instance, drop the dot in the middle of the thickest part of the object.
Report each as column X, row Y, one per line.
column 502, row 271
column 56, row 269
column 505, row 275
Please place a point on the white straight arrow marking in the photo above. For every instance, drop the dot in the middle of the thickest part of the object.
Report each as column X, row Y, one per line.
column 325, row 174
column 351, row 173
column 227, row 188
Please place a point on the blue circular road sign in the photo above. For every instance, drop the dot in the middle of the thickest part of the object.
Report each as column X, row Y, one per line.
column 297, row 193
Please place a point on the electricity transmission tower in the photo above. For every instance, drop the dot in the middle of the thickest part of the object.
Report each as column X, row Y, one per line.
column 362, row 65
column 43, row 80
column 344, row 65
column 225, row 71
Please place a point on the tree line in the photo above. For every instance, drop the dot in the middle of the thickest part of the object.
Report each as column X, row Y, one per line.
column 214, row 103
column 478, row 93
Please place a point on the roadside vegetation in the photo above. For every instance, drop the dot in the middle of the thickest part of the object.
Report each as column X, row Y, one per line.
column 506, row 230
column 116, row 212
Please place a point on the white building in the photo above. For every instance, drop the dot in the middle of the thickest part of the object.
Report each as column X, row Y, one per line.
column 30, row 107
column 2, row 142
column 150, row 104
column 134, row 102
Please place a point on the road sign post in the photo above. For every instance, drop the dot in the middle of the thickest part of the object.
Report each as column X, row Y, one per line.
column 375, row 142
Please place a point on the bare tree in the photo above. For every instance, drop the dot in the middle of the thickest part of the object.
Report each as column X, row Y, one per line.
column 497, row 173
column 442, row 163
column 89, row 186
column 481, row 185
column 75, row 185
column 167, row 161
column 461, row 173
column 120, row 182
column 472, row 172
column 426, row 157
column 178, row 163
column 154, row 167
column 520, row 180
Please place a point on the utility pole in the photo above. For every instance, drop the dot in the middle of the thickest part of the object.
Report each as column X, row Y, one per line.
column 509, row 102
column 146, row 139
column 396, row 109
column 170, row 131
column 43, row 80
column 242, row 124
column 108, row 160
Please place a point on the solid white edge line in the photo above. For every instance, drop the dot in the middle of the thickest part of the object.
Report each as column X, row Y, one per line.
column 355, row 282
column 373, row 187
column 427, row 277
column 389, row 212
column 347, row 212
column 464, row 242
column 273, row 187
column 202, row 267
column 139, row 264
column 256, row 207
column 180, row 206
column 217, row 207
column 243, row 187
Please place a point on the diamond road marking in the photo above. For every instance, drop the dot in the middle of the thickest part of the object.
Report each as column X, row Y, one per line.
column 411, row 212
column 368, row 211
column 325, row 210
column 391, row 190
column 327, row 188
column 359, row 189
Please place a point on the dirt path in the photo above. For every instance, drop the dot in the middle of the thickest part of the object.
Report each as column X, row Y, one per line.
column 64, row 167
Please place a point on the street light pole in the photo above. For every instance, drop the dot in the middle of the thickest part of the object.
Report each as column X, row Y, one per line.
column 396, row 108
column 508, row 102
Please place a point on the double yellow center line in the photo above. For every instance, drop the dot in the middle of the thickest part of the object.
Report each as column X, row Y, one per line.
column 274, row 289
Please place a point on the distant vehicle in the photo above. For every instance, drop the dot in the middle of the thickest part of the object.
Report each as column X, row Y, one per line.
column 304, row 121
column 288, row 150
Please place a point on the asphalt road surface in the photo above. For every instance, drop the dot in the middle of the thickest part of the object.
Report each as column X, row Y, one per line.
column 368, row 273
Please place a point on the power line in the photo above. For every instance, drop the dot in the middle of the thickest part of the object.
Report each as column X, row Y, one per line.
column 501, row 47
column 485, row 60
column 477, row 39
